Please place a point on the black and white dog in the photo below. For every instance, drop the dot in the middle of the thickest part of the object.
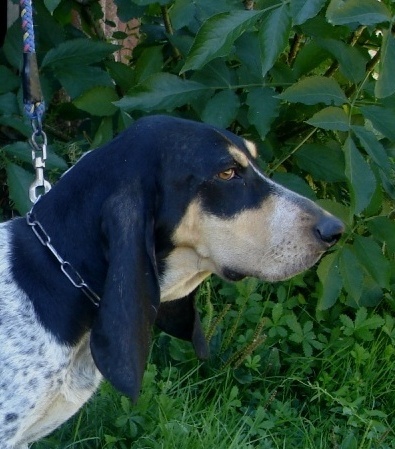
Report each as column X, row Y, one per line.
column 141, row 222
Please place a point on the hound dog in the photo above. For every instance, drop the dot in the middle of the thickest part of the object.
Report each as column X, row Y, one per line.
column 138, row 223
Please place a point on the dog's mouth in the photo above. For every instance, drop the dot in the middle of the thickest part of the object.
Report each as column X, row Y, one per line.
column 231, row 275
column 281, row 272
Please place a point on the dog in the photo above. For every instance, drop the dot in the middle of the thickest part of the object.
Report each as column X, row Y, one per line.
column 118, row 245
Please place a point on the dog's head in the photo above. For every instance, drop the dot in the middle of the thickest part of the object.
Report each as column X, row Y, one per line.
column 199, row 205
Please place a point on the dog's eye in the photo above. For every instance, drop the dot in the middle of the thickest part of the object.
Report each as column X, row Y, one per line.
column 228, row 174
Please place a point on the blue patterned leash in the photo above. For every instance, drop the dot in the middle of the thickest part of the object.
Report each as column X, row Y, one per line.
column 34, row 105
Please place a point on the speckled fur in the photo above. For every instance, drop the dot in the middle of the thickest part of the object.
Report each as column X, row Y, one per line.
column 42, row 383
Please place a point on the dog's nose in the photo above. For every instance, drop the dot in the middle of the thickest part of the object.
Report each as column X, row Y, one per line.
column 329, row 229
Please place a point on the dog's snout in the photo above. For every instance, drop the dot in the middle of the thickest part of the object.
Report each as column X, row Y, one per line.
column 329, row 229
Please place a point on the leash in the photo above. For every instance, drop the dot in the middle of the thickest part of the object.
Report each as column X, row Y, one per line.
column 34, row 105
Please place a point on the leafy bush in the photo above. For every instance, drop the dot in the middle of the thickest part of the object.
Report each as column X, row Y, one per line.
column 309, row 362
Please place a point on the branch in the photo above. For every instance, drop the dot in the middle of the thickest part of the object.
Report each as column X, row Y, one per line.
column 169, row 30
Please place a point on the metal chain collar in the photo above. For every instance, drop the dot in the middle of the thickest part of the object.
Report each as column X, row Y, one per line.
column 68, row 270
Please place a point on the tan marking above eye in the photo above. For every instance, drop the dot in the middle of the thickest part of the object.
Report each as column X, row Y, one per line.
column 226, row 175
column 238, row 156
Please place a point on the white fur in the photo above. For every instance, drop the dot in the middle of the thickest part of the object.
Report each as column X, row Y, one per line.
column 42, row 383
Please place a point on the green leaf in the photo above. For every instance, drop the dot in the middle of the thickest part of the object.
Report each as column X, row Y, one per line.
column 16, row 123
column 122, row 74
column 351, row 273
column 382, row 119
column 149, row 62
column 314, row 90
column 361, row 180
column 373, row 260
column 385, row 85
column 221, row 110
column 383, row 229
column 362, row 326
column 308, row 58
column 150, row 2
column 51, row 5
column 182, row 13
column 78, row 79
column 78, row 52
column 127, row 10
column 22, row 151
column 352, row 63
column 98, row 101
column 104, row 133
column 277, row 313
column 274, row 33
column 216, row 73
column 8, row 80
column 322, row 162
column 263, row 109
column 303, row 10
column 339, row 210
column 296, row 328
column 9, row 104
column 160, row 92
column 374, row 148
column 249, row 52
column 294, row 183
column 332, row 118
column 331, row 281
column 19, row 181
column 216, row 36
column 13, row 44
column 364, row 12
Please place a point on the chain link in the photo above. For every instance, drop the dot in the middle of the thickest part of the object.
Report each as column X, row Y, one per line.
column 67, row 268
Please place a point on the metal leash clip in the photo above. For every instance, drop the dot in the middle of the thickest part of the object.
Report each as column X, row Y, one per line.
column 39, row 155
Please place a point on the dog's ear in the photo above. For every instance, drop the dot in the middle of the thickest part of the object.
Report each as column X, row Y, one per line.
column 121, row 333
column 180, row 319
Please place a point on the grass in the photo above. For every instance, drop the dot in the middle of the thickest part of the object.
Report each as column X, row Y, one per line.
column 341, row 395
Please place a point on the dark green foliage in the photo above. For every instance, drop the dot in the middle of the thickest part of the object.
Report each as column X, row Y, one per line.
column 308, row 363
